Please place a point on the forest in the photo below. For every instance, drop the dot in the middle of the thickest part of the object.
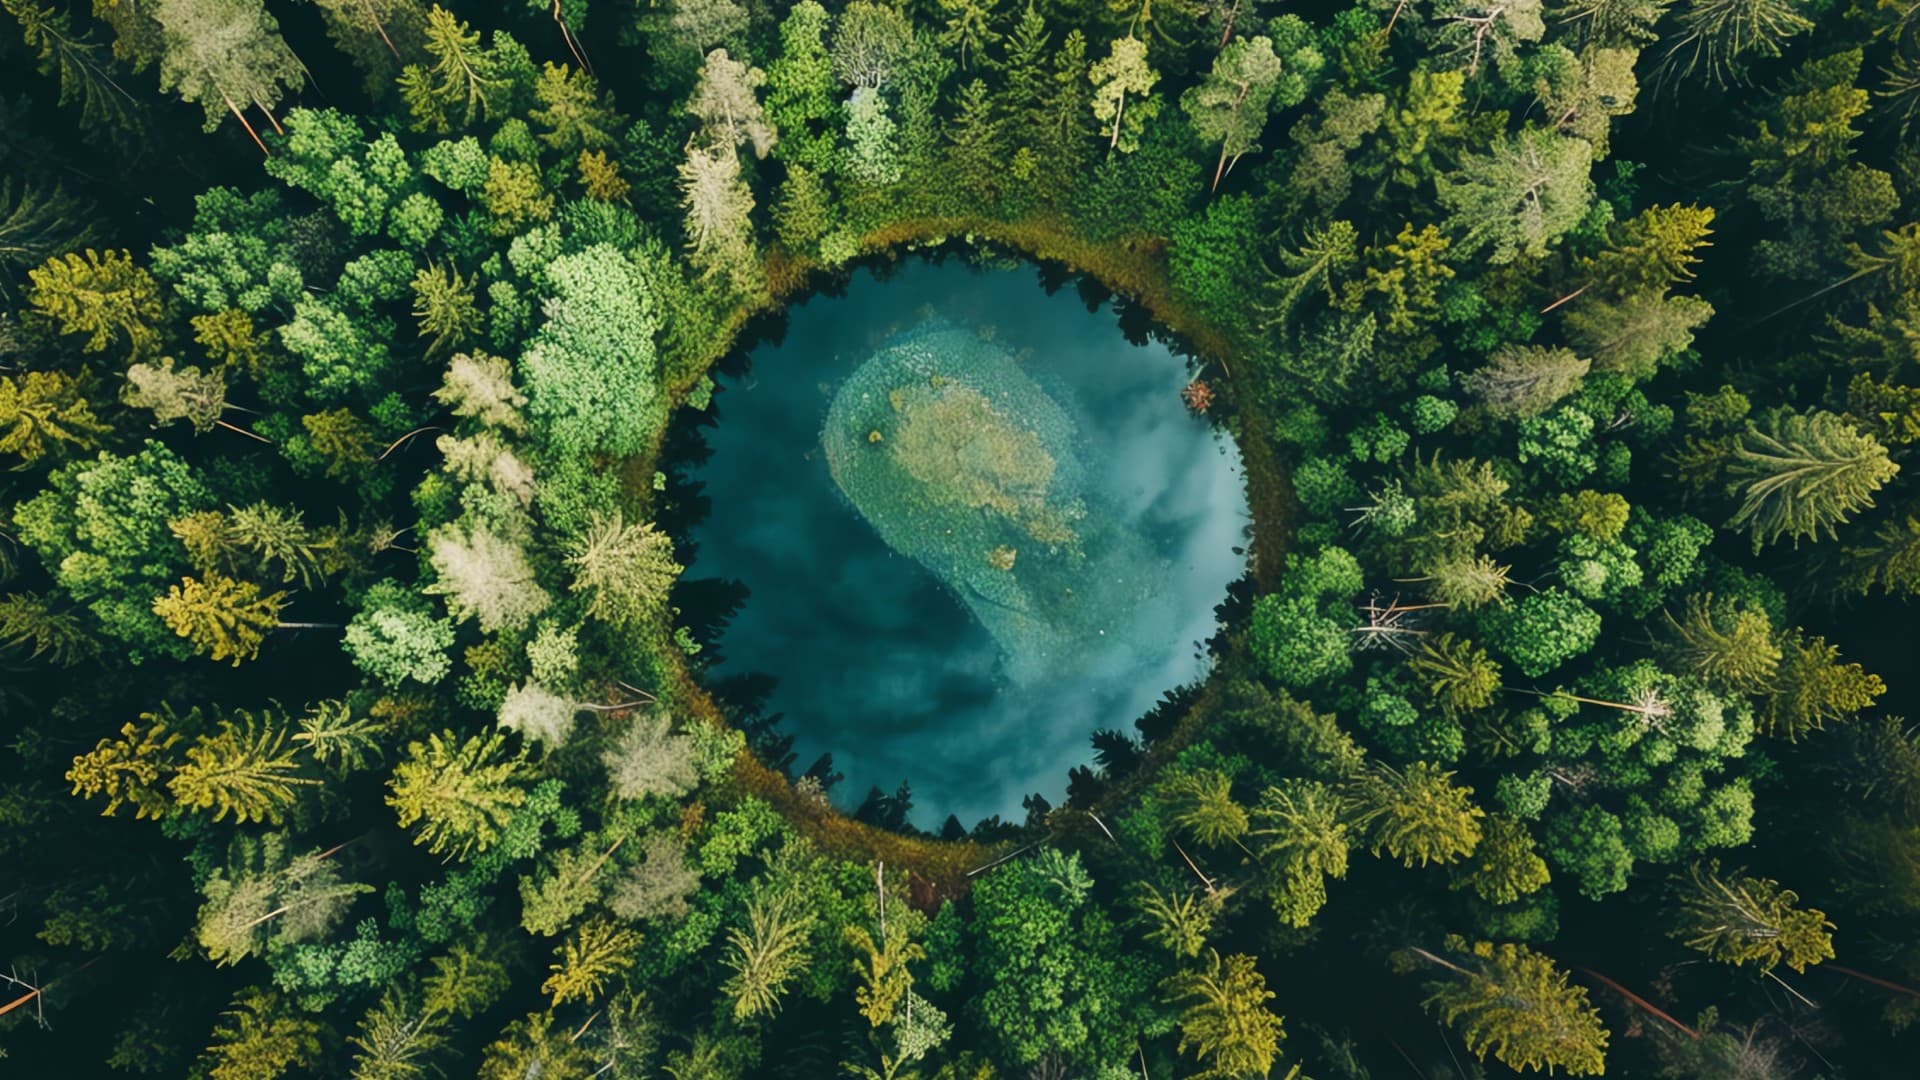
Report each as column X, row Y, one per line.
column 357, row 688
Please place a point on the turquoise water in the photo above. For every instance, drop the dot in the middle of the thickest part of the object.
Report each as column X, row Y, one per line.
column 879, row 659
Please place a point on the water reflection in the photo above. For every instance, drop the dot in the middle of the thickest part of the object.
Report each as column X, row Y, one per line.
column 876, row 659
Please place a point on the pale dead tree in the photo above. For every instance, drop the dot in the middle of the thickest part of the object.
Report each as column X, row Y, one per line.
column 724, row 103
column 1391, row 624
column 1475, row 29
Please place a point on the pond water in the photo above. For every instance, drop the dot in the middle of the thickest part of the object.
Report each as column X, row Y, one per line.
column 1039, row 586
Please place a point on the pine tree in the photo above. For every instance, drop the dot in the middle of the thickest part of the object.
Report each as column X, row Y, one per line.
column 977, row 154
column 625, row 570
column 1738, row 919
column 1890, row 562
column 85, row 76
column 767, row 955
column 1202, row 803
column 600, row 177
column 1514, row 1002
column 376, row 34
column 1459, row 674
column 462, row 76
column 591, row 954
column 534, row 1047
column 130, row 769
column 1177, row 923
column 1520, row 196
column 1505, row 866
column 278, row 538
column 344, row 443
column 29, row 619
column 719, row 207
column 1301, row 833
column 885, row 980
column 1525, row 380
column 261, row 1038
column 1225, row 1021
column 265, row 894
column 1418, row 815
column 333, row 736
column 1027, row 89
column 1799, row 475
column 725, row 104
column 1813, row 689
column 969, row 28
column 245, row 769
column 103, row 295
column 1714, row 38
column 220, row 616
column 397, row 1040
column 462, row 794
column 573, row 114
column 444, row 304
column 1064, row 137
column 1301, row 824
column 45, row 411
column 1650, row 251
column 1725, row 644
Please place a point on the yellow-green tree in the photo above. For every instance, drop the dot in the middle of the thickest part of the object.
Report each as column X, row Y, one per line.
column 460, row 793
column 1225, row 1020
column 1514, row 1003
column 102, row 294
column 245, row 769
column 592, row 954
column 767, row 955
column 221, row 616
column 42, row 411
column 1740, row 919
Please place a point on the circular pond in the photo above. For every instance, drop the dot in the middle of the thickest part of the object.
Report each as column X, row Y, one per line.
column 975, row 525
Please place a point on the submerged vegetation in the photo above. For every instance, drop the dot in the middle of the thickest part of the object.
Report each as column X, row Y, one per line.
column 961, row 461
column 356, row 711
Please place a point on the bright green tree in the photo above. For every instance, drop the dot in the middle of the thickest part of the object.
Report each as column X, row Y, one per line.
column 768, row 954
column 245, row 769
column 1798, row 475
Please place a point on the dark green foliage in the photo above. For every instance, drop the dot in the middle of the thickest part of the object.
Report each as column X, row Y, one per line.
column 1525, row 432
